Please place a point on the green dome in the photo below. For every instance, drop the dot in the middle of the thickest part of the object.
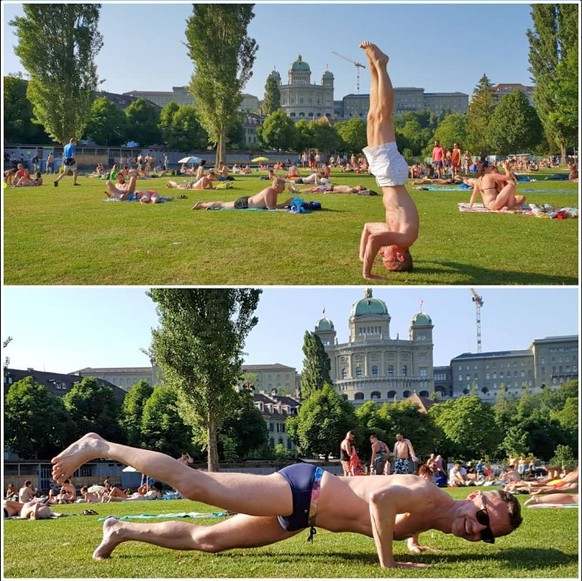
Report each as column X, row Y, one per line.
column 276, row 75
column 324, row 325
column 327, row 75
column 300, row 66
column 369, row 306
column 421, row 319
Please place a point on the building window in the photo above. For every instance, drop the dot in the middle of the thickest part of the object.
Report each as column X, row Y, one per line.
column 390, row 372
column 359, row 396
column 344, row 373
column 405, row 371
column 358, row 371
column 375, row 395
column 374, row 371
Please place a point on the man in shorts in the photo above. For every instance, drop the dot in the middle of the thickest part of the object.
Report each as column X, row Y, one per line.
column 275, row 507
column 265, row 200
column 393, row 238
column 69, row 162
column 438, row 158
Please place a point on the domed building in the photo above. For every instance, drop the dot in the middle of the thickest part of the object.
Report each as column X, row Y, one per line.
column 372, row 366
column 300, row 99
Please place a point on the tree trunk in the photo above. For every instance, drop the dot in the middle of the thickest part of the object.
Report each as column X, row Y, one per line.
column 563, row 155
column 213, row 465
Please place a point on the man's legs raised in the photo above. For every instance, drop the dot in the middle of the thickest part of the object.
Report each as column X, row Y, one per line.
column 245, row 493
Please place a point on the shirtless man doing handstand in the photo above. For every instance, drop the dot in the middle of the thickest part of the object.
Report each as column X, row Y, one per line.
column 266, row 199
column 393, row 238
column 275, row 507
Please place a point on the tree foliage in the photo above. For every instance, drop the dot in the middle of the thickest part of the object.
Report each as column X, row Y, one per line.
column 162, row 427
column 36, row 423
column 272, row 100
column 57, row 45
column 223, row 55
column 199, row 348
column 316, row 365
column 322, row 421
column 514, row 125
column 18, row 125
column 352, row 134
column 452, row 129
column 278, row 131
column 553, row 57
column 94, row 408
column 180, row 128
column 132, row 412
column 107, row 123
column 143, row 119
column 480, row 110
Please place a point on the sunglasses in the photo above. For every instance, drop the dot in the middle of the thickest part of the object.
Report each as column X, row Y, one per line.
column 482, row 517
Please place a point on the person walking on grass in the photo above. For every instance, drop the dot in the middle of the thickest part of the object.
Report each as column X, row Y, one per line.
column 69, row 162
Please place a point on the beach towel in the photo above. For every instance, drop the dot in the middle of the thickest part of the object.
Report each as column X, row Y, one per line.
column 538, row 210
column 548, row 505
column 171, row 515
column 162, row 200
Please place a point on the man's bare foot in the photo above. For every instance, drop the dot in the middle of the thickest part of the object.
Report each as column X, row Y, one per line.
column 107, row 194
column 374, row 54
column 111, row 538
column 197, row 206
column 87, row 448
column 371, row 276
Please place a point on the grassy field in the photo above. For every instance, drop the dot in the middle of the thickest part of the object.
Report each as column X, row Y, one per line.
column 545, row 546
column 69, row 236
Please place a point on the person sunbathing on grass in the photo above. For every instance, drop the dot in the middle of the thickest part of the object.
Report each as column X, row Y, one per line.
column 329, row 188
column 497, row 190
column 393, row 238
column 275, row 507
column 204, row 183
column 266, row 199
column 123, row 188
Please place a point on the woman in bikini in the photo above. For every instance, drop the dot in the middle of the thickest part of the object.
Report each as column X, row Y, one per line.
column 497, row 190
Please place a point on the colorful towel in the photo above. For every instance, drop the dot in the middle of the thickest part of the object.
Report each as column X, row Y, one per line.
column 538, row 210
column 171, row 515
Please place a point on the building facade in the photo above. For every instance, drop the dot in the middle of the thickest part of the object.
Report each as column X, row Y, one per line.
column 548, row 362
column 371, row 365
column 302, row 99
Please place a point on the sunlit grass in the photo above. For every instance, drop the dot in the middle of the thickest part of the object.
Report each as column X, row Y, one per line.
column 70, row 236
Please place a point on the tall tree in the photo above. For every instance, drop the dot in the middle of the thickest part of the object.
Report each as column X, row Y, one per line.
column 321, row 423
column 107, row 123
column 553, row 56
column 57, row 45
column 352, row 134
column 272, row 100
column 223, row 55
column 18, row 125
column 132, row 411
column 514, row 125
column 316, row 365
column 36, row 423
column 452, row 129
column 480, row 110
column 278, row 131
column 199, row 349
column 143, row 118
column 162, row 427
column 94, row 408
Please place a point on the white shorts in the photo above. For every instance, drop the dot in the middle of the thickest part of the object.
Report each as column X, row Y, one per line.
column 387, row 164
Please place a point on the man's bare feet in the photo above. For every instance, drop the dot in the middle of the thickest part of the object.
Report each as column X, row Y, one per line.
column 111, row 538
column 374, row 54
column 87, row 448
column 197, row 206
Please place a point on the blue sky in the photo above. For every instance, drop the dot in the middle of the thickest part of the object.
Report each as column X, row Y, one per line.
column 439, row 47
column 65, row 329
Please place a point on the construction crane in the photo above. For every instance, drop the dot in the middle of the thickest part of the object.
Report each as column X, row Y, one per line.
column 357, row 65
column 478, row 304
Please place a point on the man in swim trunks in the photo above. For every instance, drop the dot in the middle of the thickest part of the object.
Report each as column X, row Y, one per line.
column 266, row 200
column 275, row 507
column 392, row 238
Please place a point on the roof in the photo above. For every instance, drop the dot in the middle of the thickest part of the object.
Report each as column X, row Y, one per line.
column 369, row 306
column 300, row 65
column 424, row 403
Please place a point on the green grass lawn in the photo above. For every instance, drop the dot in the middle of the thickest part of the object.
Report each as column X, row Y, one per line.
column 545, row 546
column 69, row 236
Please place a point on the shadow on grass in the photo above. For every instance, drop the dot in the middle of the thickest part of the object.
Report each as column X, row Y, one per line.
column 522, row 559
column 479, row 275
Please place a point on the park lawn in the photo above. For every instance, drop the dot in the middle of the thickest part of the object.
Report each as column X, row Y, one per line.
column 545, row 546
column 69, row 236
